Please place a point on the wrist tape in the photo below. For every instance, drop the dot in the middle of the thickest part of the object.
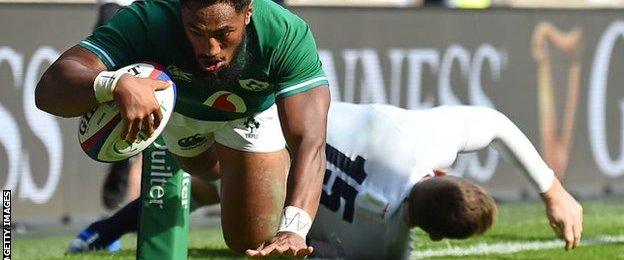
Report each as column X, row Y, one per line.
column 105, row 83
column 295, row 220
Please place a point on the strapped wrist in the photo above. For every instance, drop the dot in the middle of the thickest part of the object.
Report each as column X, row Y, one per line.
column 105, row 83
column 295, row 220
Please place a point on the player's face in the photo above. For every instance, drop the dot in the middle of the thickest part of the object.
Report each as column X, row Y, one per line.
column 215, row 32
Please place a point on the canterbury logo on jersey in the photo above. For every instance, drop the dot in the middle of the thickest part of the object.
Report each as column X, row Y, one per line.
column 191, row 141
column 253, row 85
column 177, row 73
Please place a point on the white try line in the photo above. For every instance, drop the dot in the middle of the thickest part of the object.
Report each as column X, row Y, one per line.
column 511, row 247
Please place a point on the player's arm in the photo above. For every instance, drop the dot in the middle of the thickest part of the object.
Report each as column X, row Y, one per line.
column 79, row 80
column 66, row 87
column 484, row 125
column 304, row 121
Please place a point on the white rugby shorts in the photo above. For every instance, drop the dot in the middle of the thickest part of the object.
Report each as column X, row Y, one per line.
column 188, row 137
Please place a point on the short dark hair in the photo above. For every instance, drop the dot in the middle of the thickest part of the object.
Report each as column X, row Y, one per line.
column 451, row 207
column 239, row 5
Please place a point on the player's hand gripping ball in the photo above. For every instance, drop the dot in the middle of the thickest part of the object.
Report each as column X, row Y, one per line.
column 99, row 131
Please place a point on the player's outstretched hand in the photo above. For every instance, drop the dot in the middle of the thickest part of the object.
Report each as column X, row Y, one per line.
column 282, row 244
column 564, row 213
column 138, row 105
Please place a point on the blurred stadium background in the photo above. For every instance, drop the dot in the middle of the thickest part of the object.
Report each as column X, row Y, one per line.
column 555, row 67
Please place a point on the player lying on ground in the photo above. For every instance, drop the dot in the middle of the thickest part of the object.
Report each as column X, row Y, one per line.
column 382, row 180
column 246, row 85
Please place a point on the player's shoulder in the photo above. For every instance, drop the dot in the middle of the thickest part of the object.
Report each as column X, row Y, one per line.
column 274, row 23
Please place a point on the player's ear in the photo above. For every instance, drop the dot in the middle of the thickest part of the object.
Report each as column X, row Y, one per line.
column 440, row 172
column 248, row 13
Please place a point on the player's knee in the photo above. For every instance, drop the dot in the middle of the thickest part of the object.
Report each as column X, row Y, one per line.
column 238, row 246
column 242, row 236
column 241, row 242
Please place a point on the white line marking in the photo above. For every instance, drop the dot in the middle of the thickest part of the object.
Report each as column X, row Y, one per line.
column 511, row 247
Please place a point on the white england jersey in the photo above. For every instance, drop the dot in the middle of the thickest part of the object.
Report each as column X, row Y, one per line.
column 375, row 155
column 118, row 2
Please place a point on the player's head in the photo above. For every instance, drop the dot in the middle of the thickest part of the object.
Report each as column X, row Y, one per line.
column 450, row 207
column 216, row 30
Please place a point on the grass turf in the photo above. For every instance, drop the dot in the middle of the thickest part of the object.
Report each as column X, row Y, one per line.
column 516, row 223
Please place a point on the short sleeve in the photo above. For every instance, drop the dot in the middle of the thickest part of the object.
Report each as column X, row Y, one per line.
column 296, row 64
column 122, row 39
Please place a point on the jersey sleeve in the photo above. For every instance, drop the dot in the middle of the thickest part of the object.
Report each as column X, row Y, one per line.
column 122, row 40
column 296, row 64
column 484, row 125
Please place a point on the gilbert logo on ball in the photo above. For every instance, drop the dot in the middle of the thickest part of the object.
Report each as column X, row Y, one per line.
column 99, row 131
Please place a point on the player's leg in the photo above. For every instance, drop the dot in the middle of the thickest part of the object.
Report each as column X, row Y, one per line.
column 191, row 143
column 251, row 151
column 134, row 178
column 123, row 182
column 254, row 166
column 204, row 193
column 253, row 189
column 204, row 166
column 115, row 185
column 103, row 234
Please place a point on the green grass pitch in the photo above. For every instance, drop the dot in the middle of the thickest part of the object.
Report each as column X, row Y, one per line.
column 521, row 232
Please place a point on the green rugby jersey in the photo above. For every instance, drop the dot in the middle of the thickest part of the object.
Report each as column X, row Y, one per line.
column 284, row 54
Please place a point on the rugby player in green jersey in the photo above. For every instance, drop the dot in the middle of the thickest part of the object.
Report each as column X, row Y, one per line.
column 249, row 81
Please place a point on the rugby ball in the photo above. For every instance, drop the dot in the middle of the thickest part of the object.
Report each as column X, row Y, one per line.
column 99, row 130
